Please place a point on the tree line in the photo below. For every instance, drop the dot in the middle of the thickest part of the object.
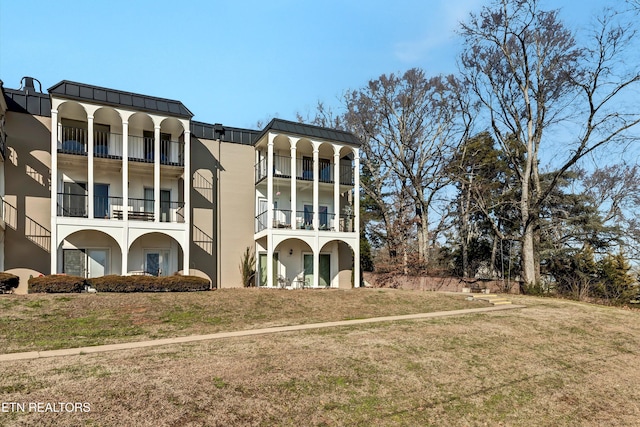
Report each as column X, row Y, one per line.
column 521, row 166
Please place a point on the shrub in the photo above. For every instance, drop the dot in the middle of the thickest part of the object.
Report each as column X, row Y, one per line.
column 248, row 268
column 8, row 282
column 56, row 283
column 177, row 283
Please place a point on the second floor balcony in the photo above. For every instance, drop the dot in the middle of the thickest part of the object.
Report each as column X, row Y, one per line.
column 74, row 140
column 109, row 207
column 304, row 220
column 304, row 170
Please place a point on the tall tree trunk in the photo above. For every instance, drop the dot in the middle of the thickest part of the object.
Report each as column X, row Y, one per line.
column 528, row 256
column 423, row 239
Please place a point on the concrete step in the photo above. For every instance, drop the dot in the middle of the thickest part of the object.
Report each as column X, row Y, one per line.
column 493, row 299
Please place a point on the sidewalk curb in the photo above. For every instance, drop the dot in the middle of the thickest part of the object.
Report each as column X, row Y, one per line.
column 31, row 355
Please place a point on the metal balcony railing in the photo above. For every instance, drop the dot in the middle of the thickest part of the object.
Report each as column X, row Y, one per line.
column 141, row 149
column 73, row 205
column 73, row 141
column 109, row 207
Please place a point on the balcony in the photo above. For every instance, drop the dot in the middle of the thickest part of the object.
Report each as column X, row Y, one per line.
column 327, row 221
column 304, row 170
column 108, row 207
column 110, row 145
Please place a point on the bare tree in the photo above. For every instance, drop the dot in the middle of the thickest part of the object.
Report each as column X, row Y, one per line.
column 410, row 125
column 530, row 74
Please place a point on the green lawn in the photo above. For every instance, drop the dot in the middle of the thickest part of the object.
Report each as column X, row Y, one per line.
column 553, row 363
column 53, row 321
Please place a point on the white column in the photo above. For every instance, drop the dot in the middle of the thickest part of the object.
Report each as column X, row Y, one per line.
column 270, row 209
column 187, row 200
column 316, row 265
column 90, row 180
column 156, row 174
column 125, row 171
column 53, row 250
column 316, row 180
column 125, row 197
column 270, row 181
column 270, row 260
column 124, row 250
column 336, row 187
column 356, row 222
column 294, row 195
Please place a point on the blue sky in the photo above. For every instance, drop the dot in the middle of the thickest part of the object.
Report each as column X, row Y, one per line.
column 238, row 62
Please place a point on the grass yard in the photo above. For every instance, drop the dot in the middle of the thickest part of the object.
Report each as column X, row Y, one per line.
column 53, row 321
column 554, row 363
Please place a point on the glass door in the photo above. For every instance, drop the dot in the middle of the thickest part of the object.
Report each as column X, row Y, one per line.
column 165, row 205
column 156, row 262
column 97, row 262
column 74, row 199
column 101, row 200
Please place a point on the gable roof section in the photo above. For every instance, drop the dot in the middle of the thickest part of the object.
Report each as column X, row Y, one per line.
column 310, row 131
column 100, row 95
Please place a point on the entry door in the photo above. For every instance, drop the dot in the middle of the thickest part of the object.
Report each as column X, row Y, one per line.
column 97, row 262
column 325, row 270
column 165, row 205
column 262, row 262
column 101, row 200
column 148, row 200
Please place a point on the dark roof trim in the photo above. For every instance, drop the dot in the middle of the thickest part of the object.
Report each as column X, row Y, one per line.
column 306, row 130
column 225, row 133
column 28, row 102
column 118, row 98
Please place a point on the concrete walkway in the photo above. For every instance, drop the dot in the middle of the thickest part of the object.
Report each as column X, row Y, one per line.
column 194, row 338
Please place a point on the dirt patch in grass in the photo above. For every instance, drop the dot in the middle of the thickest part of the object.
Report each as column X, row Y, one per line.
column 553, row 363
column 46, row 322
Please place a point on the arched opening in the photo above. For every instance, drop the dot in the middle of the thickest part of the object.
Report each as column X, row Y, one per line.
column 156, row 254
column 89, row 253
column 288, row 264
column 340, row 258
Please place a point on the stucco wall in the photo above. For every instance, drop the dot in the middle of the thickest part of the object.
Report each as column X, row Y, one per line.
column 27, row 180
